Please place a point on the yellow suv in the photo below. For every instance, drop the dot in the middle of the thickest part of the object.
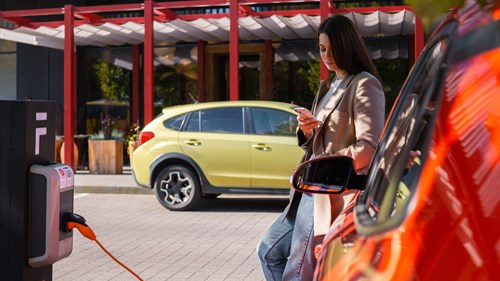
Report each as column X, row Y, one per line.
column 196, row 151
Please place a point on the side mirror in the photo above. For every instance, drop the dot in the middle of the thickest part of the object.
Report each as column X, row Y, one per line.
column 330, row 174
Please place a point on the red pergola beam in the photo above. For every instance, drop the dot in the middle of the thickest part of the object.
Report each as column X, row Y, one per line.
column 136, row 81
column 245, row 10
column 201, row 70
column 263, row 2
column 325, row 9
column 165, row 14
column 148, row 62
column 89, row 17
column 69, row 86
column 20, row 21
column 192, row 4
column 234, row 59
column 419, row 38
column 366, row 10
column 32, row 12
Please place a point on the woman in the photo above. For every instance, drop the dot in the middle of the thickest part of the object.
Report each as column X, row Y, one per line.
column 347, row 119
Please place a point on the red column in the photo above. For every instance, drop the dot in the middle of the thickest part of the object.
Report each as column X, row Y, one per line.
column 201, row 70
column 69, row 86
column 135, row 83
column 269, row 70
column 234, row 60
column 419, row 37
column 148, row 62
column 323, row 10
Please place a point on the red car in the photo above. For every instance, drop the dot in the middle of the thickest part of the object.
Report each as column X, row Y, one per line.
column 429, row 207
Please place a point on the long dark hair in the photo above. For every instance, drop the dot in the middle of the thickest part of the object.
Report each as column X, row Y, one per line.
column 348, row 47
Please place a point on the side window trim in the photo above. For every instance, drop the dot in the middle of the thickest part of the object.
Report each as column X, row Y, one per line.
column 187, row 119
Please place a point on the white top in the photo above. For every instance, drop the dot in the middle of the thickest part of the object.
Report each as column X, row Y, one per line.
column 333, row 87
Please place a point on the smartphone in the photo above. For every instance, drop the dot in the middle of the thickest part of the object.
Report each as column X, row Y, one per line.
column 303, row 111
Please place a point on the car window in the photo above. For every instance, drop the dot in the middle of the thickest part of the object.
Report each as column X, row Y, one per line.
column 174, row 123
column 396, row 167
column 222, row 120
column 273, row 122
column 193, row 124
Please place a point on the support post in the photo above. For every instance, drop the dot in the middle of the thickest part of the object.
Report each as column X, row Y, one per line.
column 419, row 37
column 323, row 11
column 234, row 60
column 69, row 85
column 201, row 69
column 148, row 62
column 136, row 81
column 268, row 68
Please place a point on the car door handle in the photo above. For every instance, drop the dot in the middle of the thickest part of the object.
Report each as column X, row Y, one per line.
column 193, row 142
column 261, row 146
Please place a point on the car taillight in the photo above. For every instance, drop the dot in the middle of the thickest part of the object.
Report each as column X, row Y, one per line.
column 145, row 136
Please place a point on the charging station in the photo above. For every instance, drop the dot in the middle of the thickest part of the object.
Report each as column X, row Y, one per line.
column 47, row 242
column 34, row 192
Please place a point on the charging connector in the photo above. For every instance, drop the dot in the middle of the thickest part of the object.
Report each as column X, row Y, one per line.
column 72, row 220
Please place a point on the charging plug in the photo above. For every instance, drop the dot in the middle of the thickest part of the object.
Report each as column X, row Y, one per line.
column 72, row 220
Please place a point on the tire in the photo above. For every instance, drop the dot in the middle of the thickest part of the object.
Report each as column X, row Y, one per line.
column 177, row 188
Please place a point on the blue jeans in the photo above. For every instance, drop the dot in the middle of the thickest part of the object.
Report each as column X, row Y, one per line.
column 286, row 251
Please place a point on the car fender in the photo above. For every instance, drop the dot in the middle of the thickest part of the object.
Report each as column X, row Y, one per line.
column 164, row 160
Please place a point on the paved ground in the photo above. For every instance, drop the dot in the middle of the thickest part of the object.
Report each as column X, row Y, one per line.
column 216, row 242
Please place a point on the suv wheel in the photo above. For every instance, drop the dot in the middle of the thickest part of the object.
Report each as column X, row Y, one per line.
column 177, row 188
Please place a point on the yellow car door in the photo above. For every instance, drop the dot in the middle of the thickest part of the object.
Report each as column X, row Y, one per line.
column 215, row 140
column 274, row 149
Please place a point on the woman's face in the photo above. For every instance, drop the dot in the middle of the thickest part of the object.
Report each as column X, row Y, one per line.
column 325, row 51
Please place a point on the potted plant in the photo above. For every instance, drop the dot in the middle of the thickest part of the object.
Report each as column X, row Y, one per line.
column 132, row 140
column 106, row 148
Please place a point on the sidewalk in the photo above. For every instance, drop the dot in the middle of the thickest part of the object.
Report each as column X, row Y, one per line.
column 121, row 184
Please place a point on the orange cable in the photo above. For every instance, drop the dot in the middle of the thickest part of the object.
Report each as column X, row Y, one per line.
column 116, row 260
column 87, row 232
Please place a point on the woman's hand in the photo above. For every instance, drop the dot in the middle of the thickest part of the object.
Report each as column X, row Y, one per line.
column 307, row 124
column 413, row 157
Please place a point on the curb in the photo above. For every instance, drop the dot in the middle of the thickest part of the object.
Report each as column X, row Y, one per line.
column 113, row 189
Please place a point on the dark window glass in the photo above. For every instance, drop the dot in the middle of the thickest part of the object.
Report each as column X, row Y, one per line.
column 174, row 123
column 273, row 122
column 222, row 120
column 193, row 124
column 397, row 166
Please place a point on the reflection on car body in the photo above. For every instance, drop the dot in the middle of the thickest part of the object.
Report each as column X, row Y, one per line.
column 439, row 218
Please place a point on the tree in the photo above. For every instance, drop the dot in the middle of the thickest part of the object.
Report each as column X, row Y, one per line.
column 114, row 81
column 430, row 10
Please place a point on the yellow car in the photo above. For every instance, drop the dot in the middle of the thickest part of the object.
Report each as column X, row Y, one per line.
column 196, row 151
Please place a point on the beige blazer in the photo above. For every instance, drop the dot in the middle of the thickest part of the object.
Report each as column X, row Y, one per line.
column 353, row 120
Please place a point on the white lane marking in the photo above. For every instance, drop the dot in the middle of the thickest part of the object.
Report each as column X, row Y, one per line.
column 81, row 195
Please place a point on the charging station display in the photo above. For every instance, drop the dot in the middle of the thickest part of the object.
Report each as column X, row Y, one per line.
column 50, row 196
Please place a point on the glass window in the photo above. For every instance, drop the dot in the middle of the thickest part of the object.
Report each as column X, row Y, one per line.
column 193, row 125
column 396, row 167
column 273, row 122
column 174, row 123
column 222, row 120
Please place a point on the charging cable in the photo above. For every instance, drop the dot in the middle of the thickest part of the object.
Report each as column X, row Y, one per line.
column 72, row 220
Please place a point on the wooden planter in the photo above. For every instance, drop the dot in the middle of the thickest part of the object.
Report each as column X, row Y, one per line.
column 105, row 156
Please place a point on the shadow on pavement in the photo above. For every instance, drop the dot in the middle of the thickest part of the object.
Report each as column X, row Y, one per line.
column 243, row 205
